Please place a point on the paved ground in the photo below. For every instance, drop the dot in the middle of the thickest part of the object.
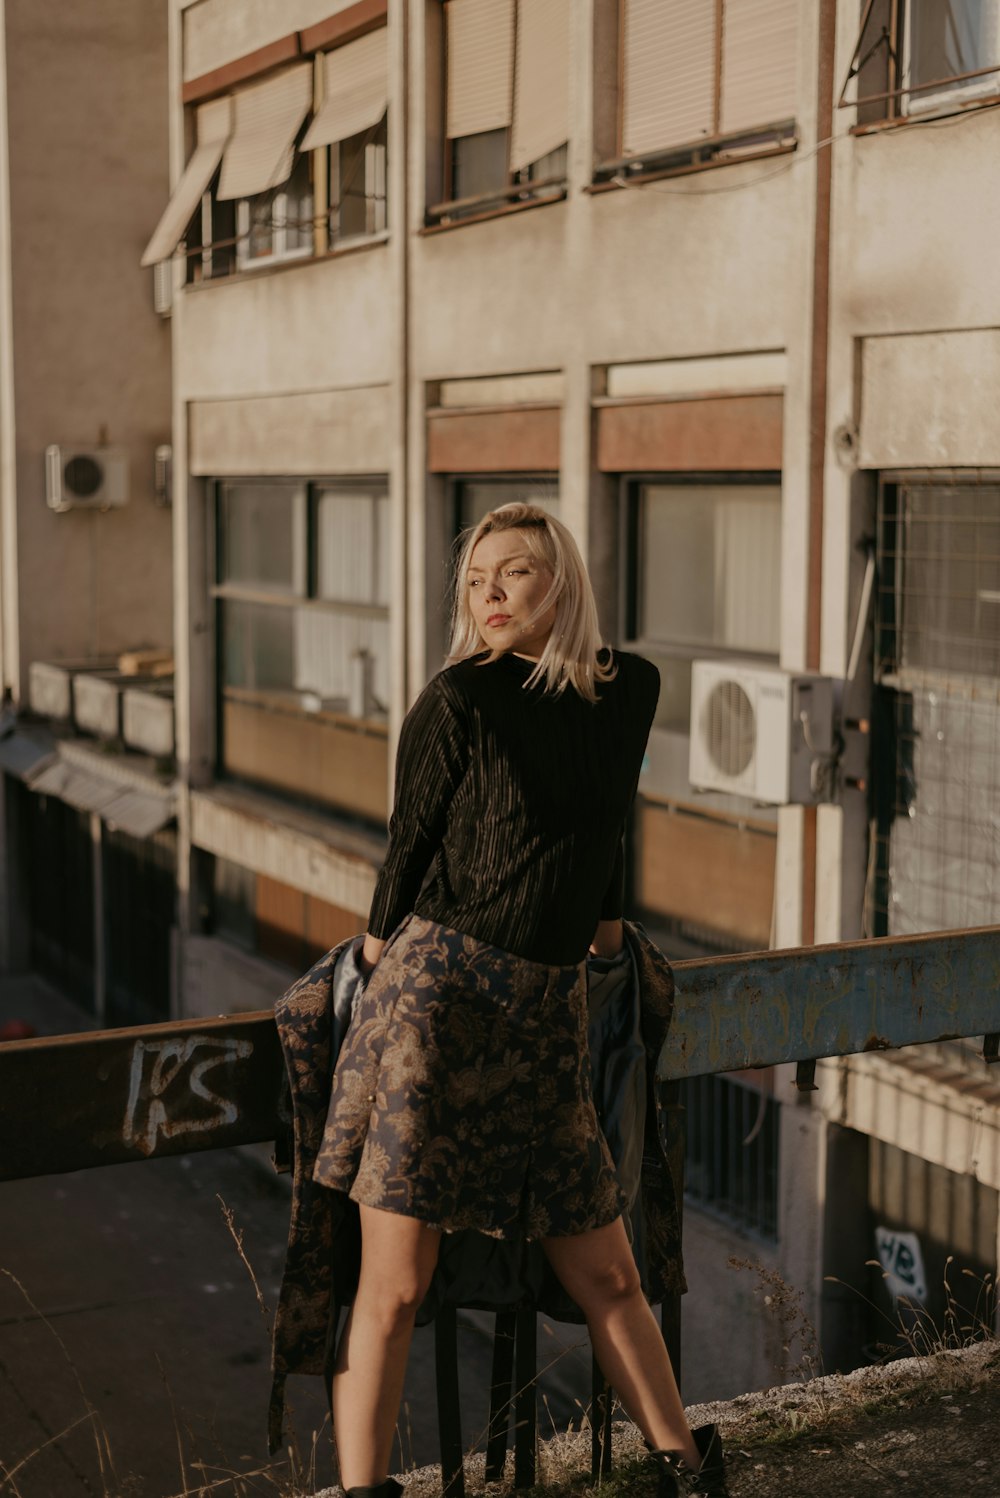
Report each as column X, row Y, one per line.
column 141, row 1312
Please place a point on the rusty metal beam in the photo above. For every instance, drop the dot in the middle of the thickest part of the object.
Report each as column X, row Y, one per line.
column 110, row 1096
column 766, row 1008
column 73, row 1101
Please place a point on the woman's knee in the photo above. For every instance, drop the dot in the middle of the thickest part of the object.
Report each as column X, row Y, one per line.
column 398, row 1257
column 392, row 1302
column 606, row 1284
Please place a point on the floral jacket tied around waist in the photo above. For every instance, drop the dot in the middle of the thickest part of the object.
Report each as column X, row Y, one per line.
column 630, row 1006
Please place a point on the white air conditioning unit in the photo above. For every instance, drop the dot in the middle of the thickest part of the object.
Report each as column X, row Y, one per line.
column 85, row 478
column 761, row 732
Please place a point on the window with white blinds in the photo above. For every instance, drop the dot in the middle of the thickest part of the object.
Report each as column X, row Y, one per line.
column 507, row 102
column 541, row 82
column 305, row 602
column 355, row 90
column 267, row 117
column 480, row 52
column 693, row 70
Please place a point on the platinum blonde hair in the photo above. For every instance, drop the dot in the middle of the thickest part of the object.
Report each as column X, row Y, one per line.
column 572, row 651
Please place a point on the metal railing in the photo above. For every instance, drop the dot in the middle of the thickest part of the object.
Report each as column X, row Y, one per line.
column 70, row 1102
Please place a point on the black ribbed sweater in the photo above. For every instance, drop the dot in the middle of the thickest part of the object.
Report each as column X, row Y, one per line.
column 515, row 801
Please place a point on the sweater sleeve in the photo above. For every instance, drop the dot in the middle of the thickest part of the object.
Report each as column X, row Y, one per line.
column 431, row 761
column 613, row 903
column 614, row 896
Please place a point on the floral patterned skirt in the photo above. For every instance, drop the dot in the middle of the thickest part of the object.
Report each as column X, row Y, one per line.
column 462, row 1093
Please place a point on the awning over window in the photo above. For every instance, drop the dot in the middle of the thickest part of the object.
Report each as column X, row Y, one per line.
column 139, row 813
column 541, row 89
column 355, row 90
column 480, row 65
column 136, row 808
column 668, row 74
column 266, row 119
column 759, row 63
column 213, row 132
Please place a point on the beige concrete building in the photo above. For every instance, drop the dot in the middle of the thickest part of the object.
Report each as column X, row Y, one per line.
column 85, row 526
column 714, row 281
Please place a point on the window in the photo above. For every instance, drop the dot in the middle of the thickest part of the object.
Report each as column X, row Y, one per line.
column 277, row 225
column 476, row 497
column 731, row 1152
column 507, row 104
column 213, row 232
column 920, row 56
column 702, row 83
column 703, row 578
column 350, row 131
column 358, row 169
column 936, row 859
column 303, row 599
column 267, row 184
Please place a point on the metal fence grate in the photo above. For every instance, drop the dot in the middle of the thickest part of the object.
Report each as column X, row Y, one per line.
column 731, row 1152
column 936, row 849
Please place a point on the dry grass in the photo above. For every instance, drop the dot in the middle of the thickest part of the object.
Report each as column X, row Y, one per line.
column 814, row 1421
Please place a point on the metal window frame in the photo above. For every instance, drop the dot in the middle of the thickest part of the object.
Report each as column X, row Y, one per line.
column 896, row 38
column 888, row 520
column 772, row 138
column 456, row 481
column 892, row 788
column 221, row 593
column 630, row 541
column 520, row 187
column 332, row 169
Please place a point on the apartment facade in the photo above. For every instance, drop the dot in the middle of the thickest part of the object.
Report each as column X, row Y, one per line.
column 85, row 530
column 689, row 276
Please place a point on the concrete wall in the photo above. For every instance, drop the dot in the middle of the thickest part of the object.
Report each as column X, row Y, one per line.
column 325, row 325
column 87, row 144
column 700, row 268
column 730, row 1339
column 217, row 31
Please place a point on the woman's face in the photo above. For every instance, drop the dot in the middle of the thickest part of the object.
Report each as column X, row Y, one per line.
column 506, row 584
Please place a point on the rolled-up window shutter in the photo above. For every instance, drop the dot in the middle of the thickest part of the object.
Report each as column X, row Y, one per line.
column 541, row 88
column 213, row 124
column 759, row 63
column 668, row 75
column 480, row 65
column 266, row 119
column 355, row 90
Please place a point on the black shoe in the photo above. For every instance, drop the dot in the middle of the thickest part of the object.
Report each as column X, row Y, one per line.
column 388, row 1489
column 676, row 1477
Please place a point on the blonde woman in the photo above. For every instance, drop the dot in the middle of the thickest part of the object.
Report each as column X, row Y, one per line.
column 462, row 1095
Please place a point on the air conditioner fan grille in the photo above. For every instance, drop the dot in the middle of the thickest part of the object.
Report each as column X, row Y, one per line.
column 83, row 475
column 730, row 729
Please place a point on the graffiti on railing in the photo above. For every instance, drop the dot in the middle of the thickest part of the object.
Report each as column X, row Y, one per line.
column 168, row 1084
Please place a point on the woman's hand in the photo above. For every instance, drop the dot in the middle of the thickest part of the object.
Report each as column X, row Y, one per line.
column 609, row 938
column 370, row 953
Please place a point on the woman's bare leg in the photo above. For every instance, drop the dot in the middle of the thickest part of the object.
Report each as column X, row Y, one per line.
column 598, row 1270
column 398, row 1255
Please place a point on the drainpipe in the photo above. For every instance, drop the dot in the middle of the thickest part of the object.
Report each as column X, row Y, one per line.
column 817, row 409
column 10, row 645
